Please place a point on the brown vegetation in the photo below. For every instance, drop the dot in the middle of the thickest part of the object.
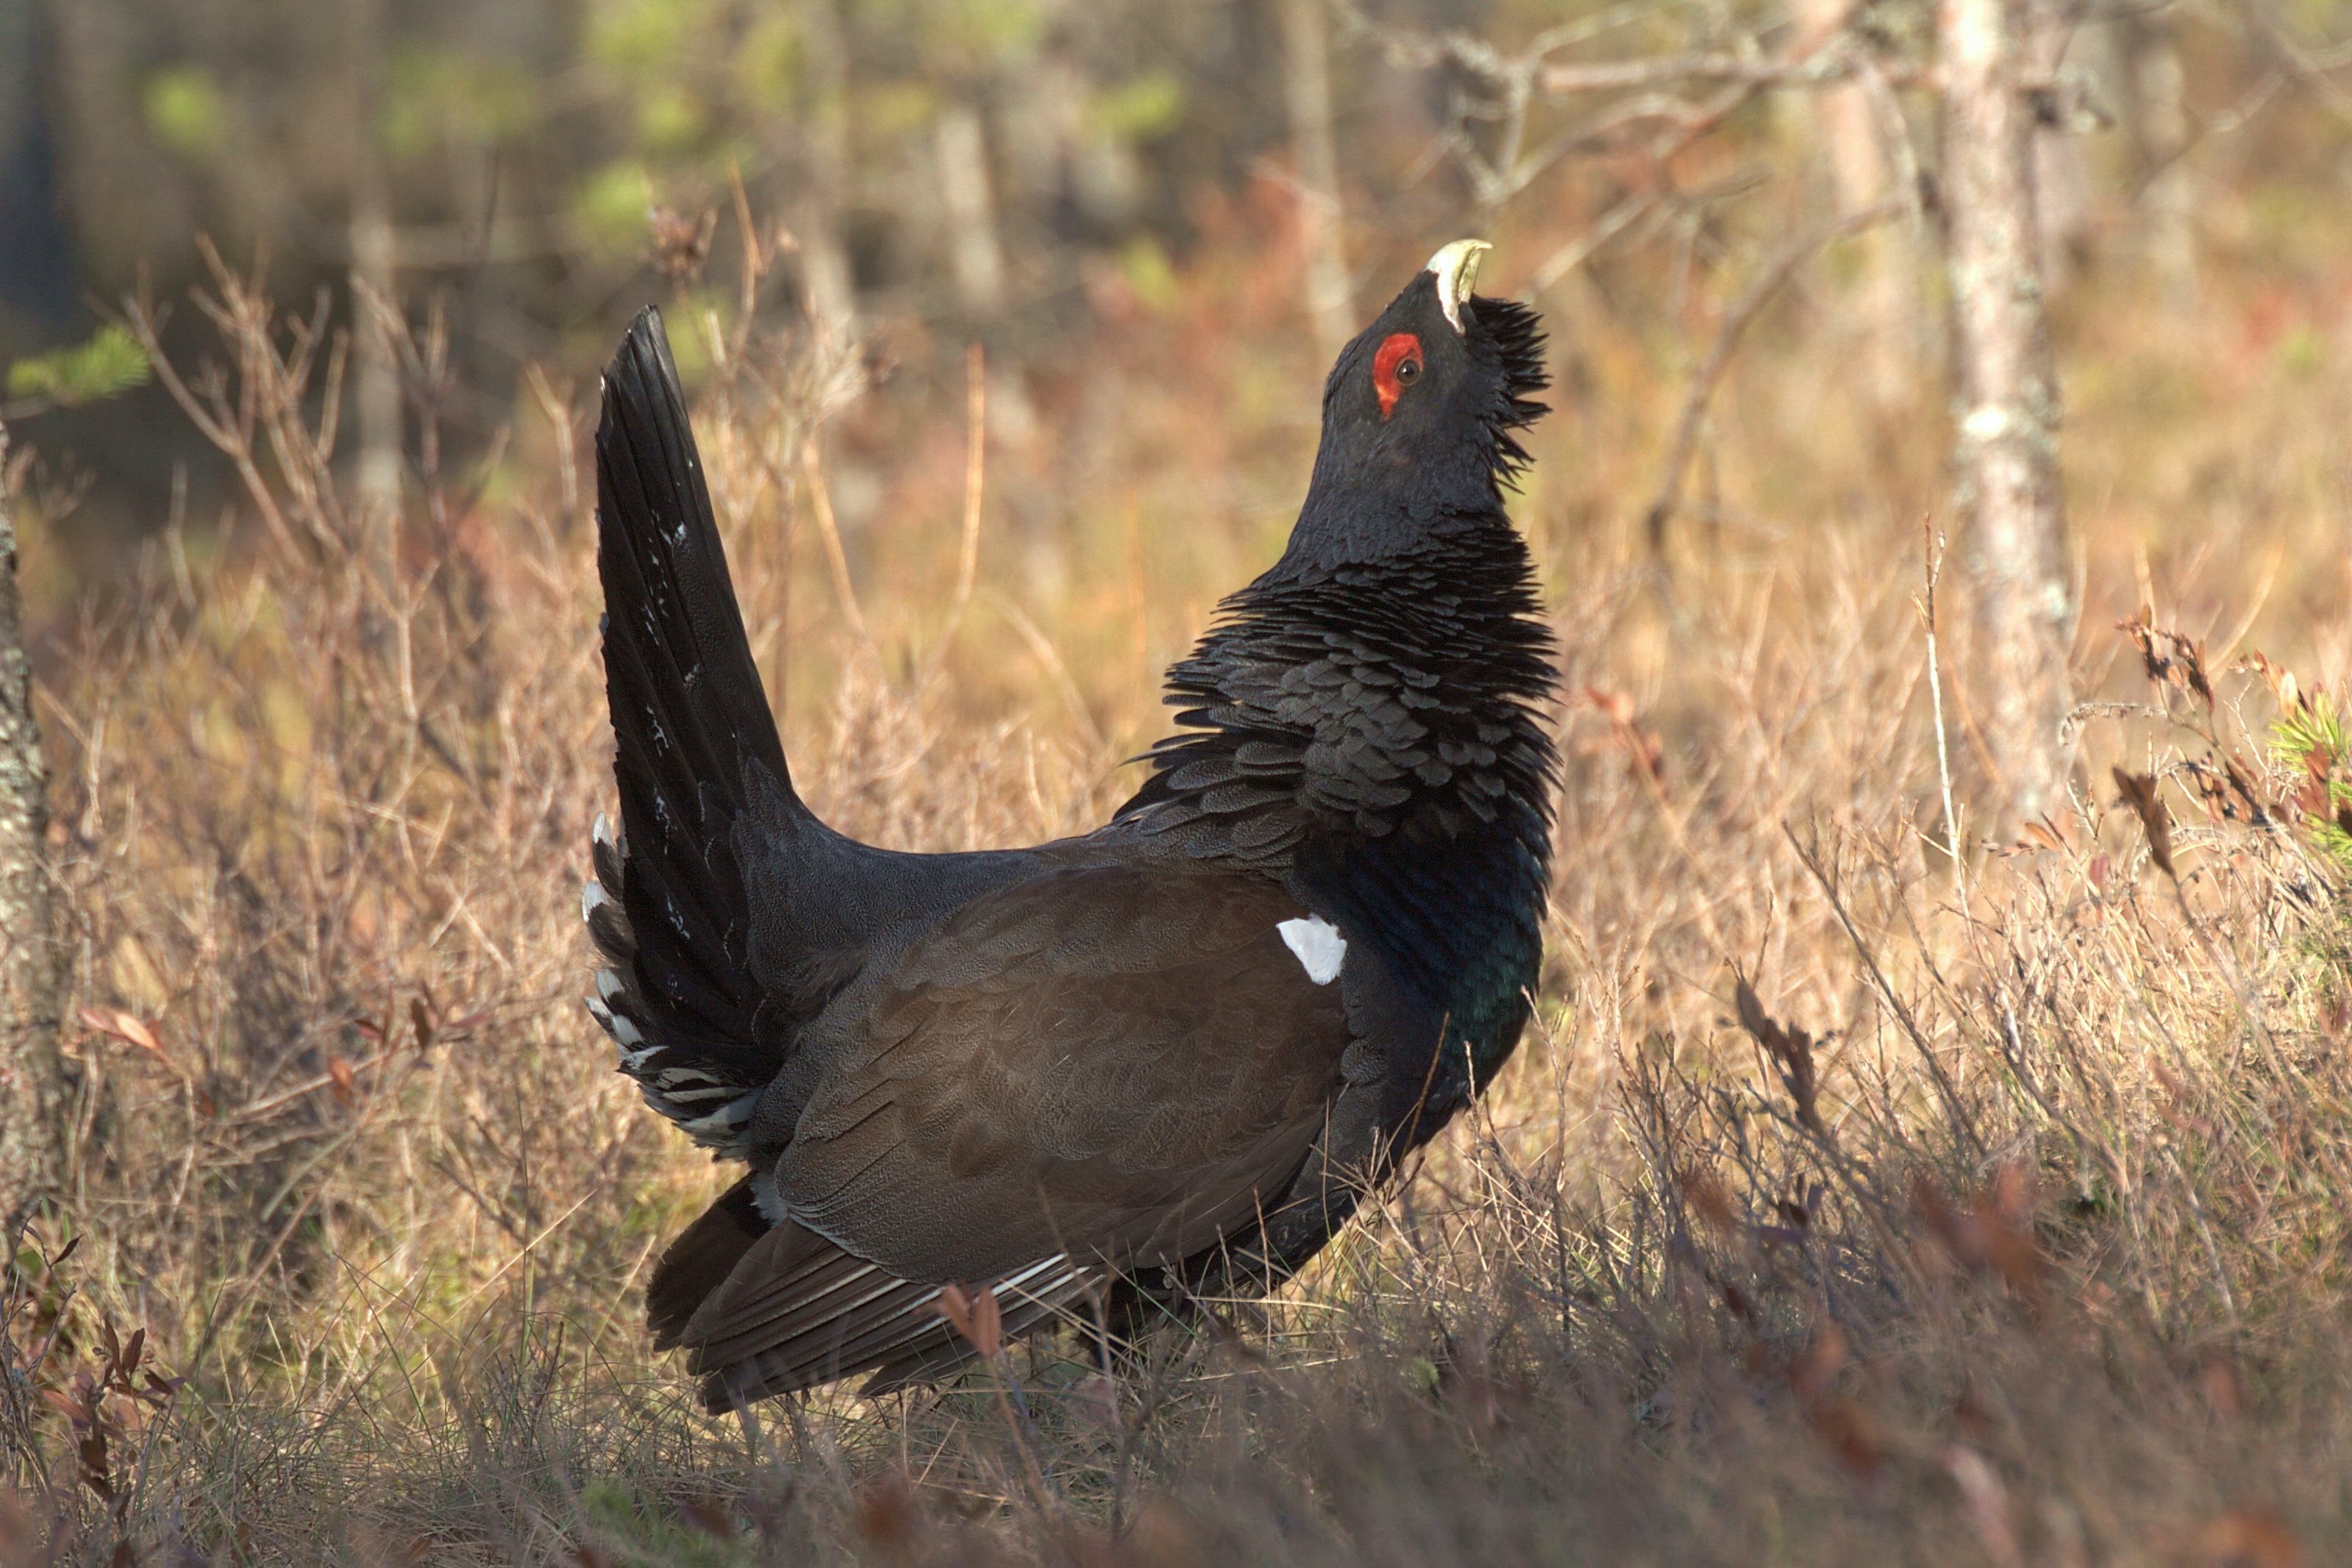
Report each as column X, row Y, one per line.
column 1852, row 1202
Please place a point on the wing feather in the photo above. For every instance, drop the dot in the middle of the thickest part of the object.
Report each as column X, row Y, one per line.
column 1096, row 1069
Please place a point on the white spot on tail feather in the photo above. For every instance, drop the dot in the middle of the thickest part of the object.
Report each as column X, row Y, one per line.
column 730, row 1118
column 591, row 894
column 625, row 1032
column 1319, row 944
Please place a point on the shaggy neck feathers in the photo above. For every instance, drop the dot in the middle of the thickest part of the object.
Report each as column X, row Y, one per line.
column 1372, row 734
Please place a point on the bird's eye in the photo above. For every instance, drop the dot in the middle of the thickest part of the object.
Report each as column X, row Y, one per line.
column 1395, row 366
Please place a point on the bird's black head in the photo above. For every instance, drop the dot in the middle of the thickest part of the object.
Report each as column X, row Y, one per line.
column 1418, row 419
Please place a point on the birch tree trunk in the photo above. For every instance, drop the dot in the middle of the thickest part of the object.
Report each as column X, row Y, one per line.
column 1307, row 84
column 2006, row 456
column 974, row 255
column 33, row 1091
column 828, row 286
column 372, row 244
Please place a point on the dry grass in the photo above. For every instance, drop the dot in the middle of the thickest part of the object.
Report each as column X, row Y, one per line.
column 1846, row 1206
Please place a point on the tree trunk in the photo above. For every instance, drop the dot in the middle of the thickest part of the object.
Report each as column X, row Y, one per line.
column 2156, row 123
column 1884, row 295
column 377, row 395
column 1307, row 84
column 828, row 286
column 33, row 1099
column 2006, row 453
column 974, row 255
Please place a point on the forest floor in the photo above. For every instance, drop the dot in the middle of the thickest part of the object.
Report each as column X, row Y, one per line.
column 1850, row 1200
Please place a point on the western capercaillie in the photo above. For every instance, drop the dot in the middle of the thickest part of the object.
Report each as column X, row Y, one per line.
column 1168, row 1055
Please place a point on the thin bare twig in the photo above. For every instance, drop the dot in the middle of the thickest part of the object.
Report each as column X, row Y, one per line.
column 1580, row 249
column 821, row 504
column 974, row 472
column 1935, row 553
column 1824, row 68
column 1736, row 322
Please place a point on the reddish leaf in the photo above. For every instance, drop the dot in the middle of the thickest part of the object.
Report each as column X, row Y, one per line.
column 128, row 1028
column 2140, row 795
column 1792, row 1050
column 1991, row 1232
column 2046, row 833
column 1811, row 1374
column 885, row 1510
column 2250, row 1538
column 2219, row 1380
column 2170, row 658
column 987, row 1324
column 1703, row 1191
column 682, row 241
column 709, row 1516
column 1646, row 751
column 955, row 1305
column 2280, row 681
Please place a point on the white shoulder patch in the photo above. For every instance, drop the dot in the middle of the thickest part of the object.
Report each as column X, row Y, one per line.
column 1319, row 944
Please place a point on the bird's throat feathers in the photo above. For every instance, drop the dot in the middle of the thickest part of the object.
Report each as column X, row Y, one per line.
column 1376, row 734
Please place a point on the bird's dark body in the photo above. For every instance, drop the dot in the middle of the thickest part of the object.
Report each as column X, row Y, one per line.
column 1171, row 1053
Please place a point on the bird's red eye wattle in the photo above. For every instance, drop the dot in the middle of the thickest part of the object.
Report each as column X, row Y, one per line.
column 1395, row 366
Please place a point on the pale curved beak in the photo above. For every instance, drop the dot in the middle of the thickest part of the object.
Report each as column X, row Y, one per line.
column 1457, row 269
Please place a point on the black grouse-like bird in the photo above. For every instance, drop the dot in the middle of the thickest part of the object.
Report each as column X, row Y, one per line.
column 1167, row 1056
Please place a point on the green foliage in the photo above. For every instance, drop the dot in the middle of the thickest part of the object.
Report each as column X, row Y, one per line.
column 670, row 118
column 433, row 96
column 638, row 1527
column 645, row 39
column 610, row 207
column 991, row 28
column 187, row 111
column 1149, row 273
column 768, row 63
column 962, row 33
column 2301, row 351
column 2307, row 726
column 108, row 362
column 689, row 342
column 2309, row 737
column 892, row 109
column 1144, row 108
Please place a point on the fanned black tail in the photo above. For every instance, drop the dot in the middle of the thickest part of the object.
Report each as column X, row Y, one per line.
column 668, row 907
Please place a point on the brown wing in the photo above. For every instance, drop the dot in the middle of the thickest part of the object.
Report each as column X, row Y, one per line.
column 1111, row 1063
column 1098, row 1067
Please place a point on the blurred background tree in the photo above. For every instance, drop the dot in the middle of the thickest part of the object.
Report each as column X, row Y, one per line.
column 968, row 164
column 1080, row 186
